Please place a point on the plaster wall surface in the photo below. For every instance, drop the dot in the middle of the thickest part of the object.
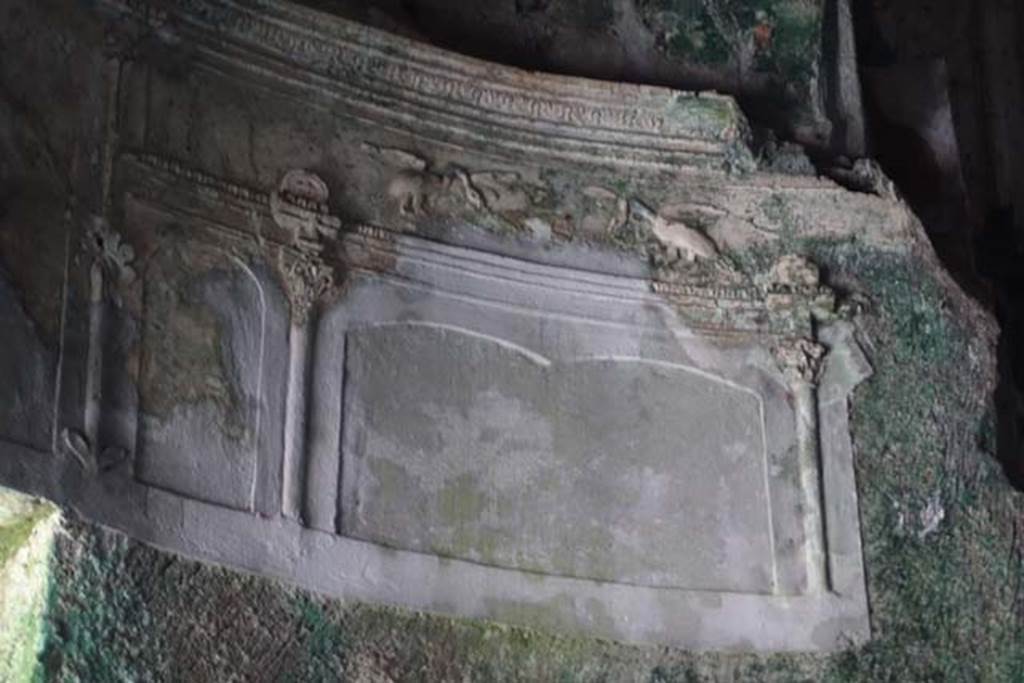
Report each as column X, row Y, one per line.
column 406, row 327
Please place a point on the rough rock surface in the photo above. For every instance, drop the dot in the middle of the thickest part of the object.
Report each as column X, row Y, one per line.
column 940, row 525
column 791, row 61
column 942, row 552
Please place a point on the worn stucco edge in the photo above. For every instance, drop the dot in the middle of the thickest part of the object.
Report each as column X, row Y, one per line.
column 352, row 569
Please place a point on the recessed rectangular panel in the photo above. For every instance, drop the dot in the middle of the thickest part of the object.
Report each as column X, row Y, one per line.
column 202, row 366
column 616, row 469
column 494, row 398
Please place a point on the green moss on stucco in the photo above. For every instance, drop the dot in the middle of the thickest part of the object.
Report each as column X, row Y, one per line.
column 780, row 215
column 391, row 480
column 949, row 594
column 588, row 553
column 553, row 614
column 96, row 608
column 479, row 544
column 712, row 115
column 325, row 643
column 26, row 534
column 945, row 602
column 782, row 36
column 460, row 501
column 191, row 362
column 795, row 48
column 15, row 533
column 771, row 48
column 598, row 615
column 121, row 611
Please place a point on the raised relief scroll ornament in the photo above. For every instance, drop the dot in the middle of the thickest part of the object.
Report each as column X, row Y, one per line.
column 110, row 268
column 801, row 360
column 110, row 254
column 299, row 207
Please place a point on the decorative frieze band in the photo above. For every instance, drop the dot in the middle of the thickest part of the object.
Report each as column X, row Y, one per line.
column 446, row 92
column 303, row 243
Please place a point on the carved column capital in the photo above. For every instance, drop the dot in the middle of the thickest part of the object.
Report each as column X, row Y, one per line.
column 108, row 250
column 794, row 283
column 801, row 360
column 299, row 207
column 795, row 296
column 307, row 280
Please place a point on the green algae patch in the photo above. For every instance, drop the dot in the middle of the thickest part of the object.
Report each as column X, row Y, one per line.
column 461, row 502
column 939, row 522
column 942, row 550
column 710, row 114
column 553, row 614
column 940, row 528
column 779, row 37
column 27, row 527
column 120, row 611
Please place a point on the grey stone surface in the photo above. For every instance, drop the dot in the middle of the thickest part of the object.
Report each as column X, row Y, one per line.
column 440, row 334
column 612, row 468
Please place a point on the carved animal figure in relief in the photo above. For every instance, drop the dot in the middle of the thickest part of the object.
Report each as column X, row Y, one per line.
column 417, row 190
column 411, row 184
column 611, row 211
column 675, row 236
column 507, row 192
column 420, row 192
column 408, row 190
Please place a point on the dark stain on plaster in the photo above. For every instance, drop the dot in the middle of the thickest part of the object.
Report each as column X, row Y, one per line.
column 32, row 258
column 189, row 359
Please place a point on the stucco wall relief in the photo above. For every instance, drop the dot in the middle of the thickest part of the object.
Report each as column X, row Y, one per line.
column 425, row 305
